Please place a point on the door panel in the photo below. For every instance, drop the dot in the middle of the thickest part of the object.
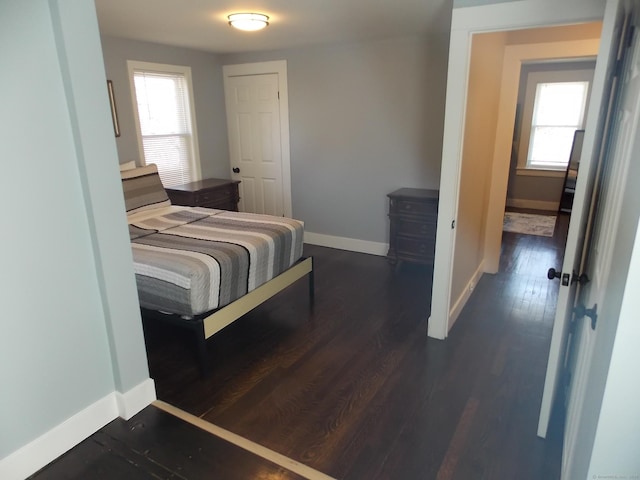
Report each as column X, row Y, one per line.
column 253, row 116
column 595, row 130
column 599, row 255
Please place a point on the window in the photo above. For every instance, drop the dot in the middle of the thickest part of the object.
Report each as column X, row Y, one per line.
column 558, row 112
column 164, row 119
column 554, row 107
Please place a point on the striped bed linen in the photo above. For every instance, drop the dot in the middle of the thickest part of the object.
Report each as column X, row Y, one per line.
column 191, row 260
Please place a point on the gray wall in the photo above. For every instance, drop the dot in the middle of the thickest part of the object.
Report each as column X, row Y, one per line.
column 71, row 325
column 365, row 119
column 208, row 95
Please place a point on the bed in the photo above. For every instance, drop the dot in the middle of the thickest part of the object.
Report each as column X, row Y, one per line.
column 201, row 268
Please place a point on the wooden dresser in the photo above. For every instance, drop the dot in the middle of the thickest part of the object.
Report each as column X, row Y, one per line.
column 413, row 214
column 210, row 193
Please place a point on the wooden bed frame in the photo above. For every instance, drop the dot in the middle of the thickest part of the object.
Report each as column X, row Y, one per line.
column 208, row 324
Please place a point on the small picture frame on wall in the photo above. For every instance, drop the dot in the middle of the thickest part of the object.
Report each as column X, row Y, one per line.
column 114, row 110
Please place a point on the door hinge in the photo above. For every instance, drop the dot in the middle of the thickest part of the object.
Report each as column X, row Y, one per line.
column 632, row 30
column 626, row 44
column 581, row 311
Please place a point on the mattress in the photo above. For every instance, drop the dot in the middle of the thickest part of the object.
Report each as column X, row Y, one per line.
column 192, row 260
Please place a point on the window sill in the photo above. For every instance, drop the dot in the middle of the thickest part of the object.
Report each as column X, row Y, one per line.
column 530, row 172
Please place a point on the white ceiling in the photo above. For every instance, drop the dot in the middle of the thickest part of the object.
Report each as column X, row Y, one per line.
column 202, row 24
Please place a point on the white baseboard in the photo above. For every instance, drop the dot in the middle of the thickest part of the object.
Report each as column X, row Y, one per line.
column 133, row 401
column 462, row 300
column 344, row 243
column 533, row 204
column 46, row 448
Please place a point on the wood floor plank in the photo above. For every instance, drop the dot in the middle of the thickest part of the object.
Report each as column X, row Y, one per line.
column 157, row 445
column 355, row 389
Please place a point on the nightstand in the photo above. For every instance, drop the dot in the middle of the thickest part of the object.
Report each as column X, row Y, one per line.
column 413, row 214
column 209, row 193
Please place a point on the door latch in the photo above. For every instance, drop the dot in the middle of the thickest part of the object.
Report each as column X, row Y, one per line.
column 582, row 279
column 581, row 311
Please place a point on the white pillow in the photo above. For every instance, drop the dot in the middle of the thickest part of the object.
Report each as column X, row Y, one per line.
column 130, row 165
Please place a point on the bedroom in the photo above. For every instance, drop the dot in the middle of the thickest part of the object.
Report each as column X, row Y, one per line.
column 109, row 347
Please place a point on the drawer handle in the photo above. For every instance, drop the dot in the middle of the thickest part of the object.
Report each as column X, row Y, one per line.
column 407, row 207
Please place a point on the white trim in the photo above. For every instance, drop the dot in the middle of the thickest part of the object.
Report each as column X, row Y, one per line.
column 278, row 67
column 134, row 400
column 532, row 81
column 166, row 68
column 533, row 204
column 63, row 437
column 49, row 446
column 344, row 243
column 531, row 172
column 244, row 443
column 465, row 295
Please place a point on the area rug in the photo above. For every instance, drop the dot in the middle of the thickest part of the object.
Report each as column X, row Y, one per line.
column 529, row 224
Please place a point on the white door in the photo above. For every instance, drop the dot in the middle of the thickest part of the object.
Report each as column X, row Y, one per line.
column 608, row 195
column 253, row 120
column 595, row 130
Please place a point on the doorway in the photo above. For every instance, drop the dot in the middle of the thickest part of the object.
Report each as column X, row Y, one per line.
column 490, row 112
column 473, row 215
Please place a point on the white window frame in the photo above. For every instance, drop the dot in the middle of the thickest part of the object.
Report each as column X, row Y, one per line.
column 532, row 81
column 134, row 65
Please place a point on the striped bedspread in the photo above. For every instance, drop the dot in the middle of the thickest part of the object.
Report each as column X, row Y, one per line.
column 193, row 260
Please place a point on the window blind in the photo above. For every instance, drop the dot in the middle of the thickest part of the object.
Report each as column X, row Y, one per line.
column 165, row 126
column 558, row 113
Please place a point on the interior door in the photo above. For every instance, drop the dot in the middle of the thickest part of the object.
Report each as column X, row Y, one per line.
column 595, row 130
column 253, row 120
column 607, row 205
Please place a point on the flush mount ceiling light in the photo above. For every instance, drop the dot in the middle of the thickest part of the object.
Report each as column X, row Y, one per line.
column 248, row 21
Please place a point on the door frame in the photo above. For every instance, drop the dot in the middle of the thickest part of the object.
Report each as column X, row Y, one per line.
column 465, row 23
column 278, row 67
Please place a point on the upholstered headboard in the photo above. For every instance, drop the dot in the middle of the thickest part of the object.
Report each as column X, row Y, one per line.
column 143, row 189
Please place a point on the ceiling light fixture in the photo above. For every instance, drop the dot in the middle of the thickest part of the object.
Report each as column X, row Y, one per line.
column 248, row 21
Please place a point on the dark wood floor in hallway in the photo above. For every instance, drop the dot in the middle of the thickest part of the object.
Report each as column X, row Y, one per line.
column 356, row 390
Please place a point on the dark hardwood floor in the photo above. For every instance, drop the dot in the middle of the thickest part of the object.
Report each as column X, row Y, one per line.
column 355, row 389
column 157, row 445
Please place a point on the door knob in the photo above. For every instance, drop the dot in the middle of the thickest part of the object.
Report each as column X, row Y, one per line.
column 236, row 170
column 581, row 311
column 552, row 273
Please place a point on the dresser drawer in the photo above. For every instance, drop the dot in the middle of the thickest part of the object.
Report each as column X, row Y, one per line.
column 213, row 196
column 424, row 229
column 409, row 207
column 414, row 247
column 413, row 215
